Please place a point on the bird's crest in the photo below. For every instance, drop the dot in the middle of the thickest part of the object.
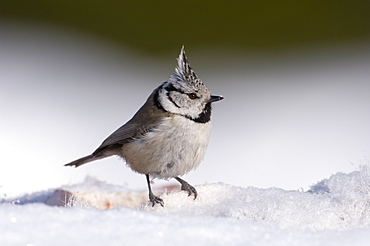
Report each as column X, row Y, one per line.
column 185, row 73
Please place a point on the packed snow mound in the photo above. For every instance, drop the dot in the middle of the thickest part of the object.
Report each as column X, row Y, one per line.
column 340, row 202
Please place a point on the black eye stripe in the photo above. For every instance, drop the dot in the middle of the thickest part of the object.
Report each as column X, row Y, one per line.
column 170, row 87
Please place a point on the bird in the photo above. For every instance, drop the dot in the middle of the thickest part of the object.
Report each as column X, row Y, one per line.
column 168, row 136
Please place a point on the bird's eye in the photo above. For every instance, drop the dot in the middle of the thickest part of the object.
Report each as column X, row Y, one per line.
column 192, row 96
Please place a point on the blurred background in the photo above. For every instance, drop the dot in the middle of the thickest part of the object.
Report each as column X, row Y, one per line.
column 295, row 77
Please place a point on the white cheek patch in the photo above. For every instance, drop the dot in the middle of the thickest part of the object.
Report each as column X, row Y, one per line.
column 178, row 103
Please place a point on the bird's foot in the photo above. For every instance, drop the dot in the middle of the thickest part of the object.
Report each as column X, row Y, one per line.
column 154, row 200
column 187, row 187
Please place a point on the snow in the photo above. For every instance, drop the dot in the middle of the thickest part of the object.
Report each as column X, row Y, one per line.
column 336, row 211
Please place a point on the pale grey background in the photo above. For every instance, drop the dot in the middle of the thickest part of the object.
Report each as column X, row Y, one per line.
column 289, row 118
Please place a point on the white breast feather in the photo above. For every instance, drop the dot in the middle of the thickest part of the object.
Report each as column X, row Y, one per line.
column 176, row 146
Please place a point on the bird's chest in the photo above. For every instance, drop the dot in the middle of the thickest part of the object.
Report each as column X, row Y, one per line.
column 172, row 148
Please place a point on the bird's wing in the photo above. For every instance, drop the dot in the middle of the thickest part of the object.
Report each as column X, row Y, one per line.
column 124, row 134
column 143, row 121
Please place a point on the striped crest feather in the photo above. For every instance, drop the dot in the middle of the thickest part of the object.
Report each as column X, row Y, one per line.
column 185, row 73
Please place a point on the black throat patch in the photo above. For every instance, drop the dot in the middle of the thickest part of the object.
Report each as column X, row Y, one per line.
column 205, row 116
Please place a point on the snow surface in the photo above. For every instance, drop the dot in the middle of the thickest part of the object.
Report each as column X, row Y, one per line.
column 336, row 211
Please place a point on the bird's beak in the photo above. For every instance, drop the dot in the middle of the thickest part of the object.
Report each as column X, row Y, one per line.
column 215, row 99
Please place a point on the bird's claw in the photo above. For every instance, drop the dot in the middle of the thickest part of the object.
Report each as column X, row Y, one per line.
column 187, row 187
column 190, row 189
column 154, row 200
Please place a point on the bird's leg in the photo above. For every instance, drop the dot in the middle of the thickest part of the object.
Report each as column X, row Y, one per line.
column 187, row 187
column 152, row 198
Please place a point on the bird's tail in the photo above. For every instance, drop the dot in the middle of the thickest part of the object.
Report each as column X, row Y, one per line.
column 84, row 160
